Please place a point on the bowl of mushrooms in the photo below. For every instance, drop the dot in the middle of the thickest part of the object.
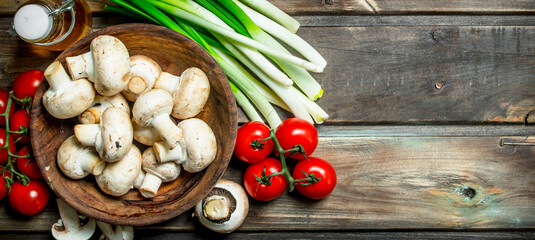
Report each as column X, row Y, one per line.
column 134, row 124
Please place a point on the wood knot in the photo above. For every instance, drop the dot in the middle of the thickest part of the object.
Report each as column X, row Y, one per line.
column 329, row 2
column 438, row 35
column 468, row 192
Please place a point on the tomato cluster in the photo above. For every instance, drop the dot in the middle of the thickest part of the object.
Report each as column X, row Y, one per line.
column 267, row 178
column 19, row 174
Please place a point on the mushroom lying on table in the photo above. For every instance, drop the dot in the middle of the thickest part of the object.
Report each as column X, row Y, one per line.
column 107, row 65
column 153, row 109
column 156, row 173
column 198, row 142
column 119, row 177
column 143, row 74
column 69, row 226
column 66, row 98
column 77, row 161
column 225, row 208
column 190, row 91
column 99, row 105
column 112, row 137
column 119, row 233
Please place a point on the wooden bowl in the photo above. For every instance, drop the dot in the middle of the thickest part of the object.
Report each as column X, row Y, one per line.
column 174, row 52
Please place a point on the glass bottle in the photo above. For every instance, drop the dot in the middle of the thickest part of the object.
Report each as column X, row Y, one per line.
column 52, row 24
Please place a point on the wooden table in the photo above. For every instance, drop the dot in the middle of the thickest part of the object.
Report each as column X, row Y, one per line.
column 420, row 94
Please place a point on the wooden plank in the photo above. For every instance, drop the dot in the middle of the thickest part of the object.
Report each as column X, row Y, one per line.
column 366, row 7
column 386, row 183
column 452, row 6
column 386, row 74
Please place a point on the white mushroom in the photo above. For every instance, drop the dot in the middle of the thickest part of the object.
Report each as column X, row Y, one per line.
column 107, row 65
column 199, row 142
column 112, row 137
column 139, row 178
column 119, row 177
column 120, row 232
column 143, row 74
column 225, row 208
column 77, row 161
column 190, row 91
column 147, row 135
column 66, row 98
column 69, row 227
column 153, row 108
column 101, row 103
column 156, row 174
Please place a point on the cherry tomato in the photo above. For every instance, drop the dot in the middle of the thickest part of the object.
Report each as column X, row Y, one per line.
column 27, row 166
column 261, row 191
column 321, row 169
column 3, row 186
column 26, row 83
column 30, row 199
column 248, row 133
column 3, row 152
column 20, row 118
column 4, row 96
column 296, row 131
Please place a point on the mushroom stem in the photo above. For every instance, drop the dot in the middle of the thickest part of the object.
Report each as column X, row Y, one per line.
column 81, row 66
column 120, row 232
column 150, row 186
column 57, row 77
column 216, row 208
column 168, row 130
column 167, row 81
column 164, row 154
column 69, row 216
column 92, row 163
column 88, row 134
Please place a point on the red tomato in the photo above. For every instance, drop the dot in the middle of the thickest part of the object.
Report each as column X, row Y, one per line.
column 248, row 133
column 4, row 96
column 3, row 186
column 30, row 199
column 27, row 166
column 321, row 169
column 261, row 191
column 26, row 83
column 20, row 118
column 3, row 152
column 296, row 131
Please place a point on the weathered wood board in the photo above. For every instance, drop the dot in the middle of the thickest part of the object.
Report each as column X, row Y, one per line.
column 346, row 7
column 393, row 74
column 387, row 183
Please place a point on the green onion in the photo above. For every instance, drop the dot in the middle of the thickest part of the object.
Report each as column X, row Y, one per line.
column 274, row 13
column 244, row 103
column 233, row 35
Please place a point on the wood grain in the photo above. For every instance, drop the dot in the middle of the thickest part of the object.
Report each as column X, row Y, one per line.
column 386, row 183
column 366, row 7
column 390, row 74
column 174, row 53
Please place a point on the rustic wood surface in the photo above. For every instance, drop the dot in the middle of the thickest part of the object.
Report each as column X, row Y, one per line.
column 420, row 94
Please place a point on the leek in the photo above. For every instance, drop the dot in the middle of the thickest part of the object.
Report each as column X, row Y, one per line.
column 274, row 13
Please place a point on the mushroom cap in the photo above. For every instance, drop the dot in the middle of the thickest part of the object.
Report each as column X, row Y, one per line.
column 240, row 208
column 72, row 155
column 71, row 98
column 168, row 171
column 117, row 134
column 200, row 143
column 100, row 104
column 119, row 177
column 151, row 104
column 143, row 74
column 111, row 65
column 190, row 98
